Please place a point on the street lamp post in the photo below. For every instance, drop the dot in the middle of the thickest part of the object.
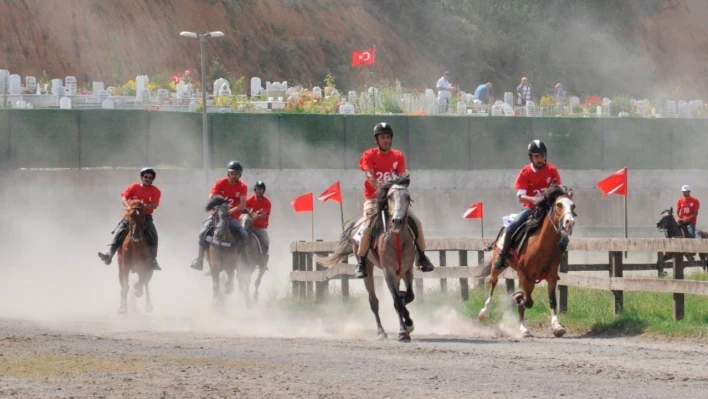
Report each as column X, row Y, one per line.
column 205, row 136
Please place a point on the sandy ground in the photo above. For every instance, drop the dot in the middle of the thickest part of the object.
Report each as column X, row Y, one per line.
column 144, row 356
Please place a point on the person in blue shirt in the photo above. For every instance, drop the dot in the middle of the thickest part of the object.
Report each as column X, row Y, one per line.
column 482, row 92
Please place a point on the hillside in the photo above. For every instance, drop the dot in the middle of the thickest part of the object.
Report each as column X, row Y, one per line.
column 641, row 47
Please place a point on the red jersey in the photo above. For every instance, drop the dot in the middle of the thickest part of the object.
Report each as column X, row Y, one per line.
column 533, row 182
column 232, row 192
column 256, row 204
column 686, row 207
column 383, row 165
column 149, row 194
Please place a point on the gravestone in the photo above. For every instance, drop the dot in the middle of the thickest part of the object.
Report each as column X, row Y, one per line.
column 256, row 88
column 56, row 84
column 102, row 95
column 317, row 92
column 193, row 105
column 574, row 103
column 15, row 84
column 509, row 97
column 531, row 109
column 70, row 85
column 97, row 88
column 461, row 107
column 108, row 104
column 347, row 109
column 4, row 80
column 31, row 83
column 507, row 109
column 163, row 96
column 65, row 103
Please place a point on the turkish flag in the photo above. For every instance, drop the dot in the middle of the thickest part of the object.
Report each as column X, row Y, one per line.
column 303, row 203
column 334, row 193
column 363, row 58
column 475, row 211
column 615, row 183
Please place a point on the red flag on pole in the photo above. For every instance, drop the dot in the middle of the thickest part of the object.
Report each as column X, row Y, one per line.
column 303, row 203
column 475, row 211
column 363, row 58
column 615, row 183
column 334, row 193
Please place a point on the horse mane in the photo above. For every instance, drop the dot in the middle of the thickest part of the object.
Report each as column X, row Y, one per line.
column 215, row 201
column 545, row 203
column 382, row 201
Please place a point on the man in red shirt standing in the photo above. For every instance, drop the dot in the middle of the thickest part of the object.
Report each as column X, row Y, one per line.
column 235, row 192
column 382, row 164
column 687, row 211
column 150, row 195
column 260, row 208
column 532, row 181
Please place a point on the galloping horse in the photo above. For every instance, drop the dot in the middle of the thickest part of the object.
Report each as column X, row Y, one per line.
column 668, row 224
column 253, row 256
column 134, row 256
column 393, row 252
column 222, row 255
column 539, row 256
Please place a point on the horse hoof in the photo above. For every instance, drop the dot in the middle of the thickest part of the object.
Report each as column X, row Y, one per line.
column 404, row 337
column 518, row 298
column 149, row 308
column 559, row 331
column 229, row 289
column 123, row 310
column 526, row 334
column 382, row 336
column 483, row 315
column 410, row 327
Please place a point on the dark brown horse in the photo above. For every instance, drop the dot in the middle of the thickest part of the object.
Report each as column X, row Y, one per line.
column 252, row 256
column 134, row 256
column 668, row 224
column 394, row 252
column 222, row 255
column 538, row 258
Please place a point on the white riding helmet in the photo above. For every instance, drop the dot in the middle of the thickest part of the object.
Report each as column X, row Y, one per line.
column 685, row 188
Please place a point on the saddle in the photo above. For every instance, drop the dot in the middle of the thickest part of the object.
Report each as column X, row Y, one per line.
column 229, row 244
column 518, row 239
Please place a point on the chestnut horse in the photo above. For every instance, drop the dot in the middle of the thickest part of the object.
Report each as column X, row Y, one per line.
column 394, row 252
column 134, row 256
column 539, row 256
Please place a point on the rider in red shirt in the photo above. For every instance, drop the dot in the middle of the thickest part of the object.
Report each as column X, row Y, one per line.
column 687, row 211
column 532, row 181
column 150, row 195
column 235, row 192
column 260, row 207
column 382, row 164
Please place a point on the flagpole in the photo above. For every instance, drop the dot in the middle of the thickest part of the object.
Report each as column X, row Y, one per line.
column 312, row 223
column 626, row 235
column 482, row 222
column 373, row 80
column 341, row 213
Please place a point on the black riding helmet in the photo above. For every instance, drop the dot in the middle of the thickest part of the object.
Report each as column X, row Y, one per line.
column 259, row 184
column 537, row 147
column 234, row 166
column 381, row 128
column 148, row 170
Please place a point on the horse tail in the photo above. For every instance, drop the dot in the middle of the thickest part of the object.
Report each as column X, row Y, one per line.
column 483, row 271
column 344, row 247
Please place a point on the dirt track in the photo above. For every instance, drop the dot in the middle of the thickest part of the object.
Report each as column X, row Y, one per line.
column 61, row 360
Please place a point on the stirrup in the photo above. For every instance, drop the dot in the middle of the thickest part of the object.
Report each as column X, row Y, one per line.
column 197, row 264
column 106, row 258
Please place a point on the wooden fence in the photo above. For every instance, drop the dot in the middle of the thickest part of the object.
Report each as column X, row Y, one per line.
column 306, row 272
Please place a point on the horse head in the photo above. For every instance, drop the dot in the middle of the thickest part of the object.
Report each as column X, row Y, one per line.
column 135, row 214
column 219, row 207
column 393, row 196
column 667, row 223
column 246, row 220
column 557, row 200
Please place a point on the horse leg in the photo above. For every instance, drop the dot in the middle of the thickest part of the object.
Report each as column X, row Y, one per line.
column 408, row 298
column 392, row 283
column 374, row 301
column 148, row 301
column 523, row 300
column 558, row 329
column 257, row 283
column 493, row 279
column 229, row 281
column 214, row 265
column 123, row 278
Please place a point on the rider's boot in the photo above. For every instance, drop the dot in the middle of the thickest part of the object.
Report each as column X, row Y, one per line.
column 361, row 268
column 107, row 258
column 153, row 258
column 500, row 264
column 198, row 264
column 425, row 264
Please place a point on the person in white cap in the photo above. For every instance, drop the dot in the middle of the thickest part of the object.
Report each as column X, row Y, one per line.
column 687, row 210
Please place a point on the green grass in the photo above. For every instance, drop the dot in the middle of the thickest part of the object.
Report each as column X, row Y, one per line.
column 590, row 312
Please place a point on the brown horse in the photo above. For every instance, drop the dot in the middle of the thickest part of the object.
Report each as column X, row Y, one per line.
column 222, row 255
column 253, row 256
column 134, row 256
column 393, row 251
column 668, row 224
column 539, row 256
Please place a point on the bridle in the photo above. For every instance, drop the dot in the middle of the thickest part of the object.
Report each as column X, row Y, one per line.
column 136, row 232
column 559, row 227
